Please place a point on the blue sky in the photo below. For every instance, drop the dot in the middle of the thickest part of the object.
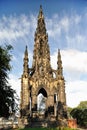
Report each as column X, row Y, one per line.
column 66, row 23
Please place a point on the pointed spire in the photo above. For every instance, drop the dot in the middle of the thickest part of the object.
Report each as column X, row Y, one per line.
column 59, row 55
column 41, row 54
column 26, row 61
column 41, row 29
column 40, row 13
column 59, row 63
column 26, row 53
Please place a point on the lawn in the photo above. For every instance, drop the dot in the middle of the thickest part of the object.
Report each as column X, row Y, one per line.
column 46, row 129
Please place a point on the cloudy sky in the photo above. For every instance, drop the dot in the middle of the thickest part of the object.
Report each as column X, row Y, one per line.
column 66, row 23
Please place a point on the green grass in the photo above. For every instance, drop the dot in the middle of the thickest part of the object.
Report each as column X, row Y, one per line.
column 46, row 129
column 34, row 129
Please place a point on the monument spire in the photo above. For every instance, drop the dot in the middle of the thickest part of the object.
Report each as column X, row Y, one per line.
column 40, row 13
column 41, row 29
column 59, row 64
column 41, row 47
column 25, row 66
column 42, row 79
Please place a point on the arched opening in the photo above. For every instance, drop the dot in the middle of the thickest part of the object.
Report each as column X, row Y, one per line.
column 41, row 100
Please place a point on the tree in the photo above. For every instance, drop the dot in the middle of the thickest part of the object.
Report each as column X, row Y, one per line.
column 80, row 115
column 82, row 105
column 7, row 94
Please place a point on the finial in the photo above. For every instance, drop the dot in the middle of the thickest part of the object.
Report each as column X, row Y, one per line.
column 40, row 12
column 59, row 55
column 59, row 63
column 26, row 52
column 26, row 47
column 40, row 7
column 59, row 50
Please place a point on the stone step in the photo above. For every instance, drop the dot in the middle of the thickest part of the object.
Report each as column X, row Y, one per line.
column 44, row 123
column 39, row 124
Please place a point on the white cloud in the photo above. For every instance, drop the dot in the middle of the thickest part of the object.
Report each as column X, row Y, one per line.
column 74, row 60
column 77, row 19
column 76, row 92
column 68, row 31
column 13, row 27
column 53, row 27
column 15, row 82
column 65, row 23
column 56, row 26
column 77, row 41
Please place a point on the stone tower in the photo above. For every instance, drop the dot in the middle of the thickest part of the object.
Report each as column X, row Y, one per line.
column 42, row 79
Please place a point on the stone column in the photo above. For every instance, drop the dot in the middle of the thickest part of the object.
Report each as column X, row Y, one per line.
column 34, row 104
column 55, row 109
column 55, row 104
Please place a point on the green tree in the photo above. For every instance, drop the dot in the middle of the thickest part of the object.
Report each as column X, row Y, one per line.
column 83, row 105
column 80, row 115
column 7, row 94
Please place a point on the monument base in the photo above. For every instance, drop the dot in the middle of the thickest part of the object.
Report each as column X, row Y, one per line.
column 22, row 122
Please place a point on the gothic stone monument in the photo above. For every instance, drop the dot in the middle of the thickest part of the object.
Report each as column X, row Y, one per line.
column 42, row 79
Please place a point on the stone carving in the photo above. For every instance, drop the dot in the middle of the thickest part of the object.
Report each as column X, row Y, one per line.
column 41, row 78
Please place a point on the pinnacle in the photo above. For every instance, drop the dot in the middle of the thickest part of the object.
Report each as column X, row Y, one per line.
column 59, row 50
column 40, row 12
column 40, row 7
column 26, row 47
column 59, row 55
column 59, row 63
column 26, row 52
column 41, row 29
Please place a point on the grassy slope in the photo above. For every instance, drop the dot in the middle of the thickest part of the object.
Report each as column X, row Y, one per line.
column 46, row 129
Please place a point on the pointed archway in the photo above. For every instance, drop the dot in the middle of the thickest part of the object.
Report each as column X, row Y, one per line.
column 41, row 100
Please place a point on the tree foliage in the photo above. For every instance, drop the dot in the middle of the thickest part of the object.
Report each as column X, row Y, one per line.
column 82, row 105
column 7, row 94
column 80, row 113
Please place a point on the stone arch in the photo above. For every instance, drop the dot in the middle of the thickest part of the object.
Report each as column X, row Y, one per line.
column 42, row 88
column 41, row 99
column 43, row 91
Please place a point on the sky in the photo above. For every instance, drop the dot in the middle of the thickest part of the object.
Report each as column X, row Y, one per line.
column 66, row 24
